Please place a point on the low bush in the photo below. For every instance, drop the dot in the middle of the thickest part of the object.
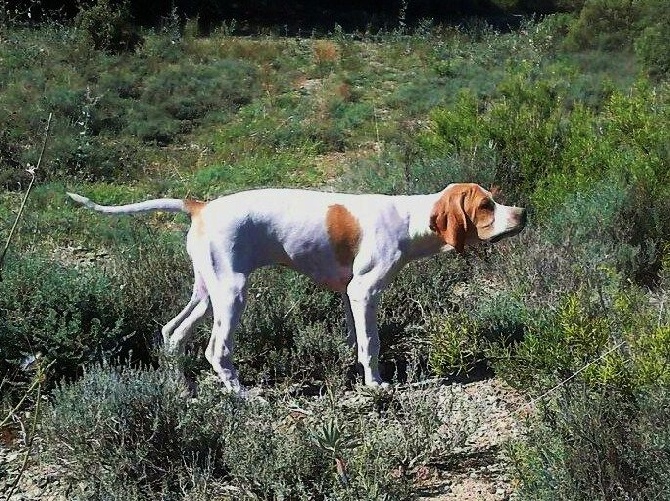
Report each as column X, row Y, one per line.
column 652, row 45
column 80, row 308
column 555, row 155
column 597, row 444
column 67, row 316
column 605, row 24
column 396, row 171
column 288, row 321
column 129, row 434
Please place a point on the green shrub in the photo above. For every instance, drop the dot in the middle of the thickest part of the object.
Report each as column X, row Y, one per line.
column 652, row 45
column 605, row 24
column 108, row 27
column 455, row 345
column 82, row 307
column 569, row 159
column 287, row 321
column 395, row 171
column 596, row 444
column 520, row 129
column 189, row 91
column 471, row 343
column 68, row 316
column 616, row 25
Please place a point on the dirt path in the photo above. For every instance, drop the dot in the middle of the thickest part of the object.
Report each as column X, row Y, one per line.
column 477, row 470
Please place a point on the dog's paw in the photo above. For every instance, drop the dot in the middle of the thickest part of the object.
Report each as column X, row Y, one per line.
column 379, row 385
column 234, row 386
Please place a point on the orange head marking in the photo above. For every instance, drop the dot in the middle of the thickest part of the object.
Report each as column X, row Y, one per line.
column 460, row 212
column 344, row 233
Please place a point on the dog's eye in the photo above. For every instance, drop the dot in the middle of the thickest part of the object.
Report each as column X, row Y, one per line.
column 487, row 205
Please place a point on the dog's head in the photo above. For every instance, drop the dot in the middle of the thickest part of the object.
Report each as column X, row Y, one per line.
column 466, row 213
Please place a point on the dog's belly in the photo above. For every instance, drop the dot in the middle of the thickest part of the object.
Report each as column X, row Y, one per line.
column 335, row 283
column 324, row 272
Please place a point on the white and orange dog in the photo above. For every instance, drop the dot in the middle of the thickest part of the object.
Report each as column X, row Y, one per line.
column 352, row 244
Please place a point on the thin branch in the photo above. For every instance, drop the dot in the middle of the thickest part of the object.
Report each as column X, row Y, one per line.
column 31, row 171
column 39, row 378
column 25, row 395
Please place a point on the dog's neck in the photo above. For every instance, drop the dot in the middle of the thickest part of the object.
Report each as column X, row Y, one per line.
column 422, row 241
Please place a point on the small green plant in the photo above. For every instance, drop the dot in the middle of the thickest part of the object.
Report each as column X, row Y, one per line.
column 331, row 438
column 455, row 345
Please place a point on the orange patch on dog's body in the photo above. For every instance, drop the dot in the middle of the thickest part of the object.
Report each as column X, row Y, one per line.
column 194, row 208
column 344, row 233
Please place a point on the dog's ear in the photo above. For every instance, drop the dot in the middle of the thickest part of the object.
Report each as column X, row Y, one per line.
column 449, row 220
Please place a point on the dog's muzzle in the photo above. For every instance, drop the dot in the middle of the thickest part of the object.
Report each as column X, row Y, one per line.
column 522, row 219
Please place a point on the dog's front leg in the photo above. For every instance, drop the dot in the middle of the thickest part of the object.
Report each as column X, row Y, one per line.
column 364, row 300
column 349, row 317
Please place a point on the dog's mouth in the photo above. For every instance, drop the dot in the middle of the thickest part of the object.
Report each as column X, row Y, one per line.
column 505, row 234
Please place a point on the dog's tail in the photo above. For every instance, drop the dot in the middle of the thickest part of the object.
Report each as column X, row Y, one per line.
column 159, row 204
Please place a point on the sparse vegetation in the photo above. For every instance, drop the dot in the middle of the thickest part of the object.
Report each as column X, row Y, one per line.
column 567, row 114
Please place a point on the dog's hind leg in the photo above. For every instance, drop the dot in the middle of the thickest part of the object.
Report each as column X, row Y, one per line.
column 228, row 300
column 176, row 332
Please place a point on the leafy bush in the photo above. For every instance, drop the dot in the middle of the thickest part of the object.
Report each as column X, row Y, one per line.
column 123, row 433
column 554, row 153
column 190, row 91
column 76, row 309
column 652, row 45
column 67, row 316
column 605, row 24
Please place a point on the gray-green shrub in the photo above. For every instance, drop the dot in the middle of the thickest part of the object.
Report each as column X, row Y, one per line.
column 596, row 444
column 131, row 434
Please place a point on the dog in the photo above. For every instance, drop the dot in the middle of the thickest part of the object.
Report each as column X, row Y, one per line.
column 351, row 244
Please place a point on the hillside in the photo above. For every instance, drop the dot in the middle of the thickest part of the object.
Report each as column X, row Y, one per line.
column 567, row 115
